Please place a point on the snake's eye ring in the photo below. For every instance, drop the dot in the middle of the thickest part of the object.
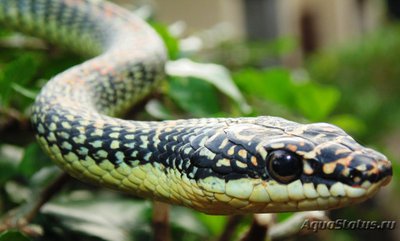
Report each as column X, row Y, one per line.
column 284, row 166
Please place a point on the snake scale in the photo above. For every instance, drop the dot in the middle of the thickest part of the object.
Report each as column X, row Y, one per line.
column 214, row 165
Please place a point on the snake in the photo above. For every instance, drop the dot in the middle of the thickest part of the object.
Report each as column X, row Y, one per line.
column 214, row 165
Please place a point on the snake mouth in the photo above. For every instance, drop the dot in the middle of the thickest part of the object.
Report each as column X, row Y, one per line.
column 272, row 197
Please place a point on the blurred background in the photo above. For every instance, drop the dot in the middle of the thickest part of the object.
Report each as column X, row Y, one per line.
column 305, row 60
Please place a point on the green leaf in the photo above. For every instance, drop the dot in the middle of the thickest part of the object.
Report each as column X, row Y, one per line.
column 272, row 84
column 316, row 102
column 350, row 124
column 24, row 91
column 215, row 224
column 33, row 160
column 216, row 75
column 170, row 41
column 313, row 101
column 194, row 96
column 13, row 236
column 20, row 71
column 281, row 217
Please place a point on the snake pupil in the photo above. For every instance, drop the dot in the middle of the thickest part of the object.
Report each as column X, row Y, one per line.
column 284, row 166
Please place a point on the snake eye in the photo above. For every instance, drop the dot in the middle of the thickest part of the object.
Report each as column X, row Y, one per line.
column 284, row 166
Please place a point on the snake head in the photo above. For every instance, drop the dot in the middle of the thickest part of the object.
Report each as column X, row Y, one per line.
column 302, row 167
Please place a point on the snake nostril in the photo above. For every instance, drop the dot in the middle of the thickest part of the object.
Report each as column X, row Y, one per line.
column 355, row 176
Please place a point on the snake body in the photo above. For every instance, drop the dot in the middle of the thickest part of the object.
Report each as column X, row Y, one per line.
column 214, row 165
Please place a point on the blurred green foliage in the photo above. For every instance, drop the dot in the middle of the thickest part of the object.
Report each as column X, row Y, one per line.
column 367, row 74
column 192, row 89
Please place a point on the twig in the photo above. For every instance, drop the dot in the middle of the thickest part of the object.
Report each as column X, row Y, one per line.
column 46, row 195
column 13, row 221
column 259, row 228
column 161, row 227
column 230, row 227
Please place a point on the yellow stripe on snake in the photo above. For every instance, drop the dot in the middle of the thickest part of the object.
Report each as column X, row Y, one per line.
column 214, row 165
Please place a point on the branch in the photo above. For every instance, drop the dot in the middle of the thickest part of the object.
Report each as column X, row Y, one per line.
column 13, row 220
column 161, row 227
column 230, row 227
column 259, row 228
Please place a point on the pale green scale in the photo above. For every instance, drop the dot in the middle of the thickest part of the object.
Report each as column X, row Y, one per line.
column 120, row 156
column 96, row 144
column 135, row 163
column 52, row 126
column 83, row 151
column 64, row 134
column 163, row 191
column 55, row 118
column 222, row 197
column 182, row 192
column 108, row 178
column 71, row 157
column 102, row 154
column 138, row 173
column 130, row 145
column 117, row 175
column 259, row 194
column 148, row 185
column 97, row 132
column 114, row 135
column 147, row 156
column 277, row 192
column 239, row 188
column 144, row 142
column 128, row 184
column 66, row 145
column 79, row 139
column 51, row 137
column 152, row 177
column 135, row 180
column 295, row 190
column 78, row 166
column 86, row 123
column 124, row 169
column 66, row 125
column 323, row 190
column 309, row 190
column 96, row 170
column 213, row 184
column 114, row 144
column 88, row 161
column 106, row 165
column 41, row 129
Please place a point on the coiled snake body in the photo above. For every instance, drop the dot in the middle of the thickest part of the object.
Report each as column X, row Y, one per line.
column 218, row 166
